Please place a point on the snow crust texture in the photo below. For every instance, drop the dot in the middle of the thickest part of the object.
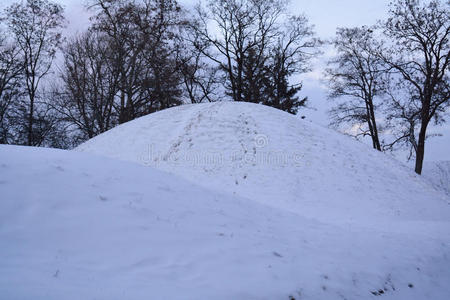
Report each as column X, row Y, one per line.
column 438, row 173
column 272, row 157
column 335, row 221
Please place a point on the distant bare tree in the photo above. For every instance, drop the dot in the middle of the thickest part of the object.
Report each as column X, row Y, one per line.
column 11, row 68
column 36, row 27
column 357, row 76
column 142, row 37
column 89, row 85
column 249, row 34
column 244, row 27
column 420, row 56
column 289, row 56
column 201, row 79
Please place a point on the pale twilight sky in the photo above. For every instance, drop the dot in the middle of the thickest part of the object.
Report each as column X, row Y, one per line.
column 326, row 15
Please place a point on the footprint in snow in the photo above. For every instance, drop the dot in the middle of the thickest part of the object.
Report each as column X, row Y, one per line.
column 277, row 254
column 59, row 168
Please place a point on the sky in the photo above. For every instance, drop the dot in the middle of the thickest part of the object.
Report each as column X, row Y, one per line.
column 326, row 15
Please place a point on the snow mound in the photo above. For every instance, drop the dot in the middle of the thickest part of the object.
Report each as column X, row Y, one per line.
column 79, row 226
column 270, row 156
column 438, row 173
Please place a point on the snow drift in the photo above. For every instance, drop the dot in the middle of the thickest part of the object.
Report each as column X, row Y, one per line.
column 272, row 157
column 438, row 173
column 78, row 226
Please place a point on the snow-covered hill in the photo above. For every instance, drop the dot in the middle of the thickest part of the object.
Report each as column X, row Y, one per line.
column 272, row 157
column 438, row 173
column 79, row 226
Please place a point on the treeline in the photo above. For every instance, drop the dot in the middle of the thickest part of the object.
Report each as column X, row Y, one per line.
column 390, row 80
column 141, row 56
column 393, row 77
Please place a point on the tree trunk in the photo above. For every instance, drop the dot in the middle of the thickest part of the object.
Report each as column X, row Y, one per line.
column 425, row 119
column 420, row 153
column 372, row 122
column 30, row 122
column 122, row 108
column 375, row 137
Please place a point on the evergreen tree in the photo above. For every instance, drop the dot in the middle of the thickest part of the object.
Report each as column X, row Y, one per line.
column 278, row 92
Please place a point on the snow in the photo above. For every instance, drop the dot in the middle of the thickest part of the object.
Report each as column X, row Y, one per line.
column 438, row 173
column 343, row 223
column 78, row 226
column 269, row 156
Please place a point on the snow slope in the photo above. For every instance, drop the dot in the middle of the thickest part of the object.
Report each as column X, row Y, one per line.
column 79, row 226
column 438, row 173
column 272, row 157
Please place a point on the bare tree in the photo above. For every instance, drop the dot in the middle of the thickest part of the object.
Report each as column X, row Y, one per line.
column 289, row 56
column 10, row 78
column 402, row 116
column 142, row 35
column 244, row 26
column 249, row 34
column 201, row 79
column 420, row 55
column 36, row 27
column 89, row 85
column 357, row 75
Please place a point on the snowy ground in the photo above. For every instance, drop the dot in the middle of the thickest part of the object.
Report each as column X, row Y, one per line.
column 269, row 156
column 438, row 173
column 346, row 223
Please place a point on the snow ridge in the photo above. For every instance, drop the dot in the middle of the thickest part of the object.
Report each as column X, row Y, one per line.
column 269, row 156
column 88, row 227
